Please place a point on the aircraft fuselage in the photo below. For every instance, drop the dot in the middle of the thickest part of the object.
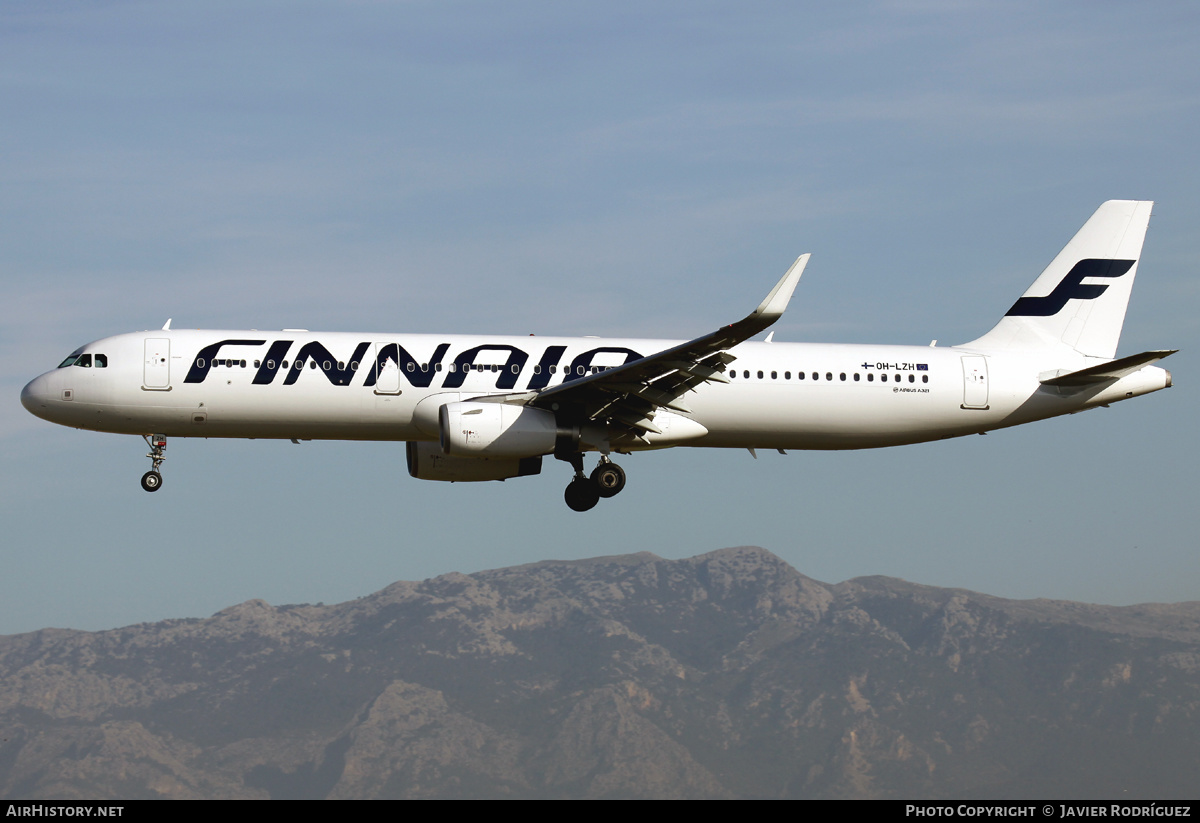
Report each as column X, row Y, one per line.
column 340, row 386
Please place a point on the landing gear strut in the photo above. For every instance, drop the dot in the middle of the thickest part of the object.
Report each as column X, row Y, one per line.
column 152, row 480
column 584, row 492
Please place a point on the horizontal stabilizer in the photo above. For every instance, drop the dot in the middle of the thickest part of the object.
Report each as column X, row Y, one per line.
column 1105, row 372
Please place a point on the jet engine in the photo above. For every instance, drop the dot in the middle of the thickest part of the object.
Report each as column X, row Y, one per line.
column 475, row 429
column 427, row 462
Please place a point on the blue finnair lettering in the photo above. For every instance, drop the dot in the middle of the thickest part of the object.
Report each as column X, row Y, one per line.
column 325, row 362
column 204, row 360
column 582, row 364
column 541, row 374
column 273, row 362
column 508, row 372
column 408, row 365
column 1071, row 287
column 395, row 359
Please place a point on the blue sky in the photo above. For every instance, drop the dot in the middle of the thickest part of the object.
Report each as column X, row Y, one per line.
column 624, row 169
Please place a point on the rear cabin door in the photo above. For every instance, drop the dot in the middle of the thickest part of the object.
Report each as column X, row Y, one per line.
column 975, row 382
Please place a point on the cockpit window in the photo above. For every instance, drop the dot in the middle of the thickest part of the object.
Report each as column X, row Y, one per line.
column 71, row 358
column 77, row 358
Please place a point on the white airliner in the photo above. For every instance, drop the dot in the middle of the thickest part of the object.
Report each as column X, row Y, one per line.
column 489, row 408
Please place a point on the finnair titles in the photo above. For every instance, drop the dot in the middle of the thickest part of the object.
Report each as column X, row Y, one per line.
column 490, row 408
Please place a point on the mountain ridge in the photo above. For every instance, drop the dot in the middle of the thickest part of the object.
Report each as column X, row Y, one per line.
column 728, row 674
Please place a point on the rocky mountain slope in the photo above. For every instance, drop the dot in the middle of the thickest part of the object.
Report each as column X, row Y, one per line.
column 725, row 675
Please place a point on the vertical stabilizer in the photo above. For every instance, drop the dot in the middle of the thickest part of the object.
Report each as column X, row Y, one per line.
column 1081, row 297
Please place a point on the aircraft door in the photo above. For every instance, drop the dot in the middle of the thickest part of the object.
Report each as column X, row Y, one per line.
column 975, row 382
column 156, row 373
column 387, row 370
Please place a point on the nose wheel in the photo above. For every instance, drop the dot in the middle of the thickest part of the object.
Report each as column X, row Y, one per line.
column 152, row 480
column 584, row 492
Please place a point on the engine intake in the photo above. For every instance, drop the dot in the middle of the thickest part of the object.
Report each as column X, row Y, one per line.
column 475, row 429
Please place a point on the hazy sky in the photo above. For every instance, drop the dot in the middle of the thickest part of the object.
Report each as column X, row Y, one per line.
column 644, row 169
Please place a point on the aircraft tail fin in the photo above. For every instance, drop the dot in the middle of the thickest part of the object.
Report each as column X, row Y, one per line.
column 1080, row 299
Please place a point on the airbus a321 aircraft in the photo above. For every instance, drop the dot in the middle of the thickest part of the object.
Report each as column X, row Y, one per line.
column 490, row 408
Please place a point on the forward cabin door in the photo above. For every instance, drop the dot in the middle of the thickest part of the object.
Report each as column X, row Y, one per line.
column 156, row 371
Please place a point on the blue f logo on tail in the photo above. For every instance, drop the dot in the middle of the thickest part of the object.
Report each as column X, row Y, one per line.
column 1071, row 287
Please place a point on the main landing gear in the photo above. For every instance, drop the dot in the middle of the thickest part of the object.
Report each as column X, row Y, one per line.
column 585, row 492
column 152, row 480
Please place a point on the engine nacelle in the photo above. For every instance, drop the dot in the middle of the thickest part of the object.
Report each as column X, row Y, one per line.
column 427, row 462
column 474, row 429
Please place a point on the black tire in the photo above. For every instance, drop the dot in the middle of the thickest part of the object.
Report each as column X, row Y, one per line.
column 609, row 479
column 582, row 494
column 151, row 481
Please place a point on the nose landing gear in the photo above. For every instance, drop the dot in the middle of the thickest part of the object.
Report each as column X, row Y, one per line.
column 152, row 480
column 584, row 492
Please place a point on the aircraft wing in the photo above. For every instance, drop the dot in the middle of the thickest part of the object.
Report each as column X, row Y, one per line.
column 628, row 396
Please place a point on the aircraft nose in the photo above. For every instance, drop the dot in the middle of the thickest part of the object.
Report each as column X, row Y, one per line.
column 35, row 397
